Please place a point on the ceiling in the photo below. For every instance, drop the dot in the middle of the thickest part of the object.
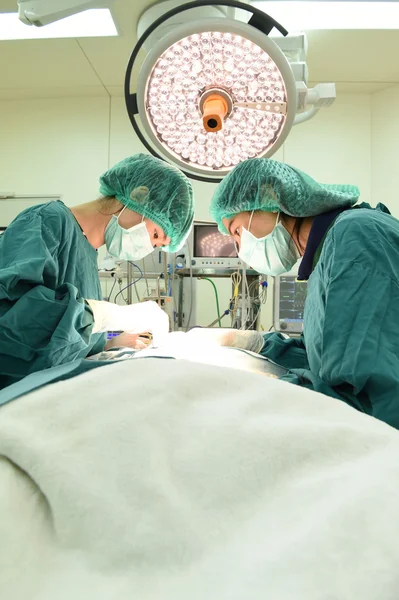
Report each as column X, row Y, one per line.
column 357, row 61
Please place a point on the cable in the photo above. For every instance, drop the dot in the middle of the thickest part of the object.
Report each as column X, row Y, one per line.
column 112, row 289
column 246, row 299
column 165, row 273
column 256, row 309
column 191, row 287
column 135, row 289
column 134, row 283
column 130, row 284
column 236, row 280
column 145, row 277
column 216, row 296
column 262, row 297
column 121, row 290
column 265, row 287
column 256, row 316
column 251, row 288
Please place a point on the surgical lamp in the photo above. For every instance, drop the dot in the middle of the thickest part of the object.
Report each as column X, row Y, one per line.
column 213, row 92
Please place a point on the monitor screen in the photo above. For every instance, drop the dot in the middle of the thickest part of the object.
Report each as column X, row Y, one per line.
column 210, row 243
column 292, row 299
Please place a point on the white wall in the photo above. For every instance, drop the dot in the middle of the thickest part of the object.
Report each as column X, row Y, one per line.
column 335, row 146
column 61, row 146
column 385, row 148
column 54, row 146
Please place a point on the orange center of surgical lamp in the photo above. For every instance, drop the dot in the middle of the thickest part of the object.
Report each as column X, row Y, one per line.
column 214, row 112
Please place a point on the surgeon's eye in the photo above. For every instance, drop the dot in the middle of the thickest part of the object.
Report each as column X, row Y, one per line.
column 156, row 235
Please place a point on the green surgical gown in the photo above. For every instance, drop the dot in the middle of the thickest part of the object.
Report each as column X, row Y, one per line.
column 350, row 345
column 47, row 269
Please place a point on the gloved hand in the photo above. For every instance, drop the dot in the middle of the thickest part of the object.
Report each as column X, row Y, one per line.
column 127, row 340
column 247, row 340
column 232, row 338
column 131, row 318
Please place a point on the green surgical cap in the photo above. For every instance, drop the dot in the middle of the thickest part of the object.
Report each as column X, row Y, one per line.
column 264, row 184
column 155, row 190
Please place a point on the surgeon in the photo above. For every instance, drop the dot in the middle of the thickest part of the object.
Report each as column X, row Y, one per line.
column 350, row 254
column 51, row 308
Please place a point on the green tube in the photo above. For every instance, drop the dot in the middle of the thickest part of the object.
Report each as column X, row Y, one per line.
column 216, row 296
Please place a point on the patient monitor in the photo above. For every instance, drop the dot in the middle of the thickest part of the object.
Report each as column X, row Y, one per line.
column 211, row 249
column 289, row 303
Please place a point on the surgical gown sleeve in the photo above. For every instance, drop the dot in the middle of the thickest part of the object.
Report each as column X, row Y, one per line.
column 351, row 316
column 44, row 320
column 286, row 352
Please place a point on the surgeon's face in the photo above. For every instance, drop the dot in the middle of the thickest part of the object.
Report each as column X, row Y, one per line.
column 261, row 225
column 157, row 234
column 129, row 218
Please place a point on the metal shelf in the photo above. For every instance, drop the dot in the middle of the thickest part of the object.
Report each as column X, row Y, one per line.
column 123, row 275
column 213, row 273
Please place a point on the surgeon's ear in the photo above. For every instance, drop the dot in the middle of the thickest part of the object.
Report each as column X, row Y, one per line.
column 268, row 193
column 140, row 194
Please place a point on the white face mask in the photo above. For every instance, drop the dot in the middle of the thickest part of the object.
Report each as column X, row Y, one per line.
column 273, row 254
column 127, row 244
